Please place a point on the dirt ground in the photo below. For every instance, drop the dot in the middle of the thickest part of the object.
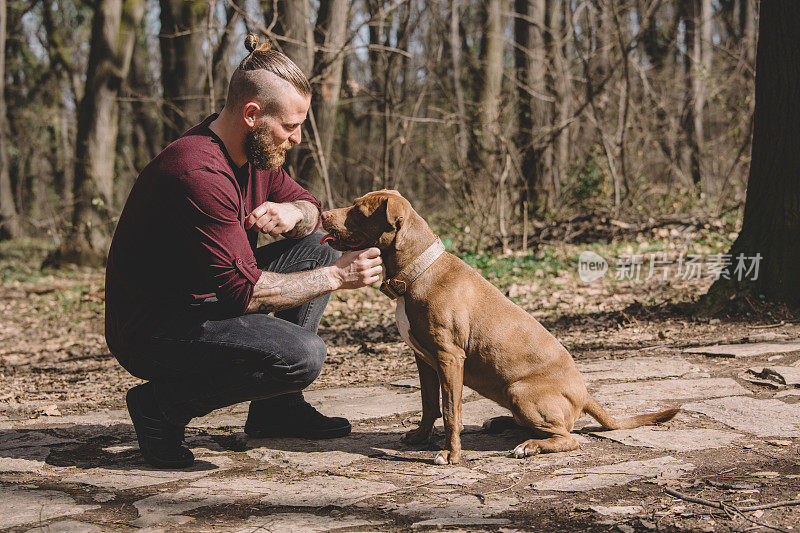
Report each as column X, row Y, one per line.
column 63, row 394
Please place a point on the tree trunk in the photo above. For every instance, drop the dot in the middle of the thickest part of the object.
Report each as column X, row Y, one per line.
column 458, row 90
column 529, row 60
column 700, row 72
column 113, row 34
column 9, row 222
column 147, row 134
column 771, row 225
column 331, row 34
column 747, row 27
column 490, row 91
column 559, row 46
column 183, row 64
column 690, row 152
column 294, row 24
column 222, row 68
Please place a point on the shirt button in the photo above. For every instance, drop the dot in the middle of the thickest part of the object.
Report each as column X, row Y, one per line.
column 238, row 261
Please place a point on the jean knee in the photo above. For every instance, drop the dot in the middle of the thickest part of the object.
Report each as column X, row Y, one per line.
column 325, row 254
column 312, row 352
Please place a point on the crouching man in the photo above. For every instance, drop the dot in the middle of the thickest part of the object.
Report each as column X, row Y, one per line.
column 188, row 295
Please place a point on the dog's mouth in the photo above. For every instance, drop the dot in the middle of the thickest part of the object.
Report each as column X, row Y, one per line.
column 337, row 242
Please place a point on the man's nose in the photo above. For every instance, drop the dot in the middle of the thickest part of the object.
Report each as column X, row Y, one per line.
column 296, row 136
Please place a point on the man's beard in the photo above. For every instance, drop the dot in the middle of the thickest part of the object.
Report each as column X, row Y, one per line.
column 261, row 150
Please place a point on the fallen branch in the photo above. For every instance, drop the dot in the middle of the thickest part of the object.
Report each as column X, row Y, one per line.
column 722, row 505
column 729, row 508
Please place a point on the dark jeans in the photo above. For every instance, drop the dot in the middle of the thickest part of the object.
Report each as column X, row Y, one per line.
column 217, row 363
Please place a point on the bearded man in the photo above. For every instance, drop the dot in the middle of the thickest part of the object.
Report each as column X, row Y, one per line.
column 188, row 294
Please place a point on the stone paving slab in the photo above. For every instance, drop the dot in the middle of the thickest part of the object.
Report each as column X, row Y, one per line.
column 764, row 418
column 678, row 440
column 579, row 480
column 745, row 350
column 132, row 478
column 638, row 368
column 306, row 462
column 614, row 510
column 364, row 403
column 451, row 505
column 65, row 526
column 319, row 491
column 354, row 403
column 23, row 506
column 166, row 508
column 638, row 395
column 439, row 523
column 101, row 420
column 30, row 460
column 304, row 523
column 11, row 439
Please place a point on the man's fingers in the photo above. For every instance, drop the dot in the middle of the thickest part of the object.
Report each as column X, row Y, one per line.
column 369, row 253
column 259, row 211
column 269, row 225
column 373, row 272
column 267, row 208
column 369, row 263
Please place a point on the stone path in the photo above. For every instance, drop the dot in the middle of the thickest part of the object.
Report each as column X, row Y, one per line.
column 83, row 473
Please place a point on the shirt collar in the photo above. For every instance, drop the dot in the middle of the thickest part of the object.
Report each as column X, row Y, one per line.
column 206, row 125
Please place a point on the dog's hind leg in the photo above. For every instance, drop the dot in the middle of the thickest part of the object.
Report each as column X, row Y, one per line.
column 549, row 415
column 556, row 443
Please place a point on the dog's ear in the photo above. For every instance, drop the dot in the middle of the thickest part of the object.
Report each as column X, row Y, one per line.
column 395, row 211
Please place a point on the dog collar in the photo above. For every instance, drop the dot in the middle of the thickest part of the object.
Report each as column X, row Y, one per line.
column 397, row 286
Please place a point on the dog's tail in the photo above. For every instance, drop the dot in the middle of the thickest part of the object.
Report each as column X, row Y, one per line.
column 596, row 411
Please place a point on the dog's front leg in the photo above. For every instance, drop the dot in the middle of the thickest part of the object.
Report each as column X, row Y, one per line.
column 429, row 383
column 451, row 376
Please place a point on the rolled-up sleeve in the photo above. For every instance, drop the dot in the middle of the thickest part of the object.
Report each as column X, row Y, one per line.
column 210, row 210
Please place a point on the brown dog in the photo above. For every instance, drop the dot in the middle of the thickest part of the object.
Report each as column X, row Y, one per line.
column 466, row 332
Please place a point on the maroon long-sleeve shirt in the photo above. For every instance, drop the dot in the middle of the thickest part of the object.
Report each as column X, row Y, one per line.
column 181, row 237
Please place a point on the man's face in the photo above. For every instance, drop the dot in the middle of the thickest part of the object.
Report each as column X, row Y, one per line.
column 277, row 131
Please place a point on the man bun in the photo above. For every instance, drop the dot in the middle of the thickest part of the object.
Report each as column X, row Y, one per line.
column 251, row 43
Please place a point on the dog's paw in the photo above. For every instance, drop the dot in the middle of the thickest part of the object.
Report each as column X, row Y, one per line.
column 445, row 457
column 525, row 450
column 417, row 436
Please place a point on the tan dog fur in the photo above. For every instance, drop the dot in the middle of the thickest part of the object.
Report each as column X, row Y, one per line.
column 466, row 332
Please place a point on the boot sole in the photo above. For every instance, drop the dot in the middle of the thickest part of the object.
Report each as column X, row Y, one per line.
column 281, row 432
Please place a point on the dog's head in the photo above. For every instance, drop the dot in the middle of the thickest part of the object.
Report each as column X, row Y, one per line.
column 373, row 220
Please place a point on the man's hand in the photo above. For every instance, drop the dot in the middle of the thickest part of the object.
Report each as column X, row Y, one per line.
column 356, row 269
column 274, row 218
column 353, row 270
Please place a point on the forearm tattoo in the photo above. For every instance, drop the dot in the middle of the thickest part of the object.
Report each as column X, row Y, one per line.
column 274, row 291
column 309, row 222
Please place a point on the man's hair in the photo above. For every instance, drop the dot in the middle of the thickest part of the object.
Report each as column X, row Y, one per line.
column 247, row 83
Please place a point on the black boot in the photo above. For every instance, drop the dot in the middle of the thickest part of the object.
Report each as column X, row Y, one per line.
column 159, row 439
column 291, row 416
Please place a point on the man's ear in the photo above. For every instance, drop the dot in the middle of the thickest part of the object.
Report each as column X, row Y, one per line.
column 395, row 211
column 250, row 112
